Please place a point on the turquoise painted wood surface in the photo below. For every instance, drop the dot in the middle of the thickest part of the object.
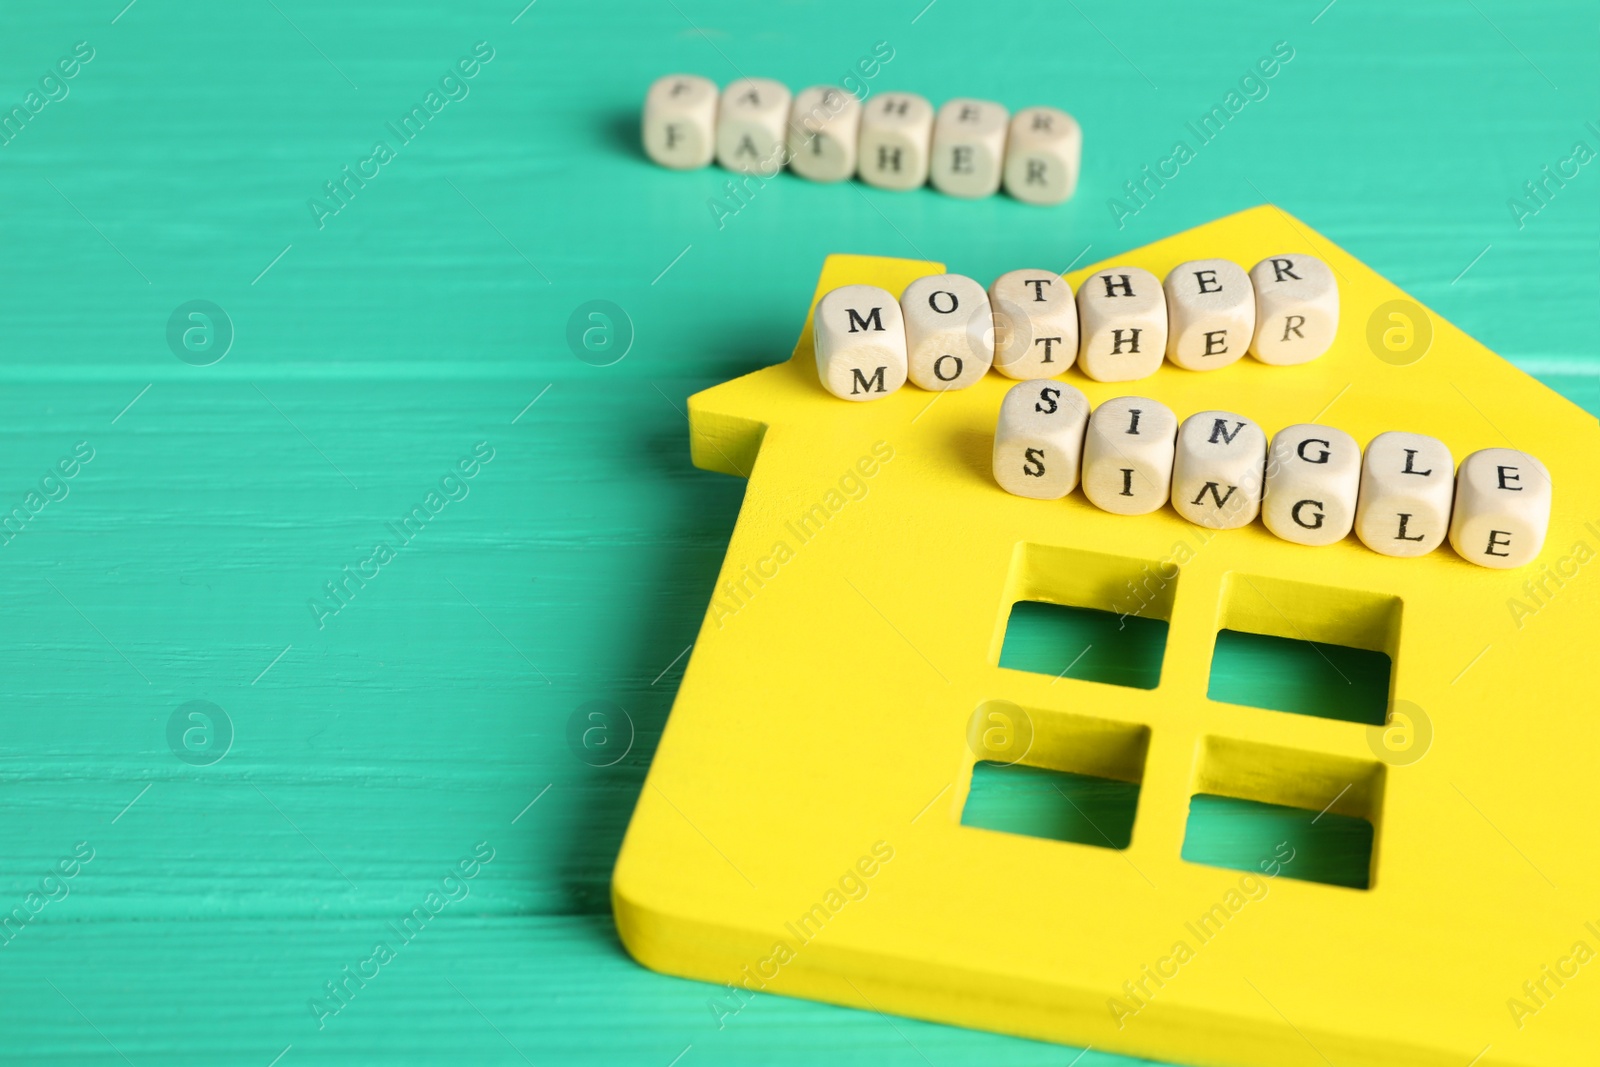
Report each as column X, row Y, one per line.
column 380, row 752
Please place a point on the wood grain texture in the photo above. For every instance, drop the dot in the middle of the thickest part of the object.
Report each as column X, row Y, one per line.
column 373, row 752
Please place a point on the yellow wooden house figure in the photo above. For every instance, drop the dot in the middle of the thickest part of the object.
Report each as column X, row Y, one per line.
column 800, row 830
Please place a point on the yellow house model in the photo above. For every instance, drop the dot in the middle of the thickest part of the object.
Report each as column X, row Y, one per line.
column 800, row 830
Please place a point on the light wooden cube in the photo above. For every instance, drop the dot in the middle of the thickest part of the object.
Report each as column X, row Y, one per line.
column 824, row 125
column 969, row 145
column 1407, row 483
column 1297, row 309
column 752, row 125
column 1122, row 324
column 1127, row 455
column 1043, row 148
column 680, row 121
column 1211, row 313
column 949, row 331
column 1038, row 442
column 895, row 141
column 1036, row 324
column 1217, row 470
column 1313, row 480
column 859, row 337
column 1502, row 508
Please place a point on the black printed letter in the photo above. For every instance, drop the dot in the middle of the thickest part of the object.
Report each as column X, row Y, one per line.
column 873, row 320
column 1294, row 514
column 861, row 381
column 1405, row 517
column 1219, row 428
column 1221, row 500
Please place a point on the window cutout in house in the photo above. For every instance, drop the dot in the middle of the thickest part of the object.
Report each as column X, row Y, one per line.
column 1304, row 648
column 1038, row 802
column 1303, row 677
column 1065, row 777
column 1087, row 616
column 1091, row 646
column 1272, row 840
column 1282, row 812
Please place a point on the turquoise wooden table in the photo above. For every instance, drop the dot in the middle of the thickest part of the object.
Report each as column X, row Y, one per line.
column 348, row 582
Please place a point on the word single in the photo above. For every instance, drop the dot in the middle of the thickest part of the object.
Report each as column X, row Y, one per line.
column 1402, row 495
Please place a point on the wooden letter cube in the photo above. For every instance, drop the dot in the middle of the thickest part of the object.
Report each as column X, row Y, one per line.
column 752, row 123
column 949, row 331
column 1122, row 324
column 1407, row 483
column 1036, row 324
column 1127, row 455
column 969, row 144
column 1038, row 441
column 823, row 128
column 1217, row 470
column 1297, row 309
column 1211, row 313
column 860, row 341
column 1042, row 153
column 1313, row 477
column 680, row 120
column 1502, row 509
column 896, row 137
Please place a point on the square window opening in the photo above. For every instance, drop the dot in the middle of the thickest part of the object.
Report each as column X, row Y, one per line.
column 1054, row 775
column 1055, row 805
column 1284, row 812
column 1087, row 616
column 1300, row 677
column 1274, row 840
column 1305, row 649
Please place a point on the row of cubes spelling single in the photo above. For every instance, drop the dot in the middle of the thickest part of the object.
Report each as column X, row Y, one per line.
column 945, row 331
column 968, row 148
column 1312, row 486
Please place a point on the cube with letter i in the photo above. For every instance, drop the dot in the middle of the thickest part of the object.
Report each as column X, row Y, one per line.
column 1217, row 470
column 1127, row 455
column 1211, row 313
column 969, row 143
column 1313, row 477
column 1407, row 484
column 1502, row 508
column 949, row 331
column 860, row 341
column 1297, row 309
column 752, row 125
column 1038, row 441
column 680, row 120
column 1036, row 324
column 1122, row 324
column 895, row 139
